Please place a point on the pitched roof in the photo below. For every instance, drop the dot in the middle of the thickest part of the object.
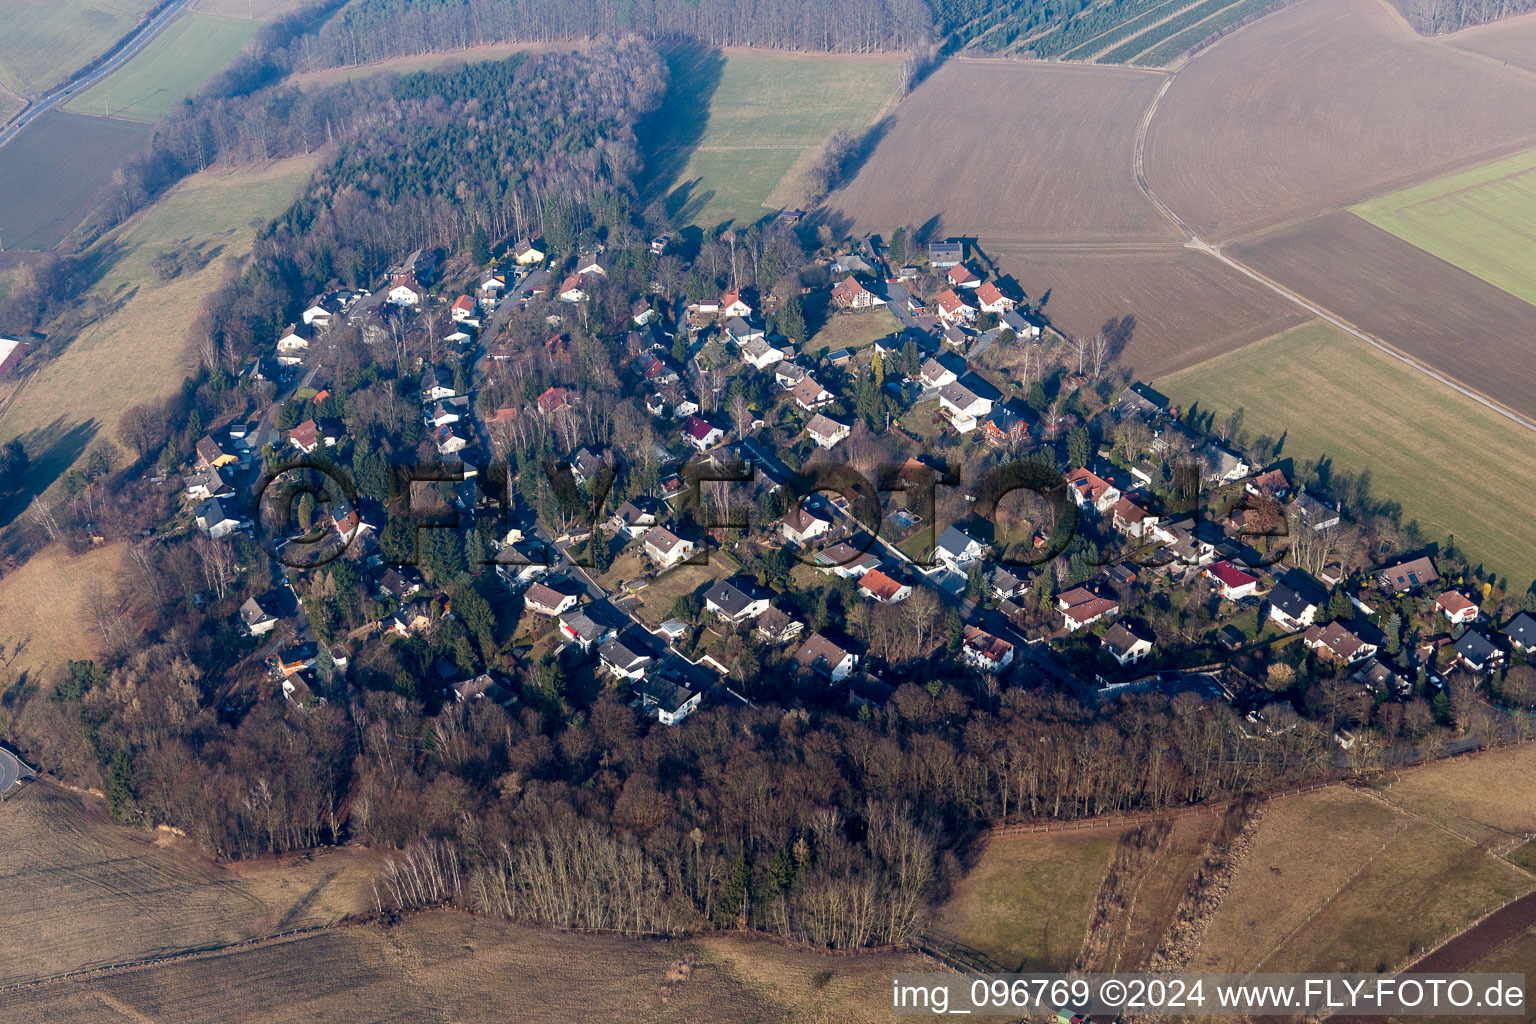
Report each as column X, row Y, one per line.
column 1522, row 629
column 733, row 596
column 1087, row 483
column 993, row 648
column 1121, row 640
column 824, row 426
column 800, row 519
column 990, row 294
column 1231, row 576
column 881, row 586
column 1454, row 602
column 698, row 429
column 949, row 302
column 1416, row 572
column 1475, row 647
column 955, row 541
column 820, row 654
column 1336, row 637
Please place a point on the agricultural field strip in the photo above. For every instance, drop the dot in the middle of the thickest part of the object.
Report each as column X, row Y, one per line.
column 1196, row 14
column 1177, row 45
column 1097, row 45
column 1279, row 289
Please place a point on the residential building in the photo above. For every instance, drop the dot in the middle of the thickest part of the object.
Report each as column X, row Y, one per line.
column 214, row 520
column 732, row 304
column 668, row 701
column 666, row 548
column 992, row 300
column 953, row 309
column 1231, row 582
column 1295, row 599
column 1521, row 631
column 546, row 600
column 826, row 658
column 700, row 434
column 776, row 627
column 1083, row 606
column 1089, row 490
column 810, row 395
column 981, row 650
column 963, row 406
column 1408, row 576
column 957, row 550
column 1456, row 608
column 850, row 294
column 1335, row 642
column 405, row 291
column 883, row 589
column 586, row 626
column 801, row 525
column 259, row 615
column 527, row 253
column 1124, row 645
column 945, row 254
column 826, row 432
column 934, row 375
column 1477, row 653
column 635, row 516
column 736, row 600
column 293, row 343
column 845, row 560
column 760, row 354
column 624, row 657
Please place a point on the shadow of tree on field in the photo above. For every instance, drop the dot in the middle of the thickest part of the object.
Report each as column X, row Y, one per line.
column 671, row 132
column 51, row 450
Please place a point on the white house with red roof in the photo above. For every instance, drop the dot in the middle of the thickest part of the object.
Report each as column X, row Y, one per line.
column 984, row 651
column 732, row 304
column 1089, row 489
column 879, row 587
column 953, row 309
column 1083, row 606
column 405, row 291
column 1131, row 520
column 992, row 300
column 701, row 434
column 463, row 308
column 1456, row 607
column 960, row 276
column 850, row 294
column 1233, row 583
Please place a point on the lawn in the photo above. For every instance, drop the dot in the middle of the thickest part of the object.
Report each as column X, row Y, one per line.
column 1027, row 901
column 172, row 67
column 736, row 126
column 138, row 351
column 1426, row 447
column 46, row 40
column 1482, row 220
column 853, row 331
column 1490, row 798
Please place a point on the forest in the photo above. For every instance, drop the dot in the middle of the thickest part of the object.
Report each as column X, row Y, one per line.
column 1436, row 16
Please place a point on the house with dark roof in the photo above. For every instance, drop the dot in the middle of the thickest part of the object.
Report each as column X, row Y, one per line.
column 667, row 548
column 957, row 550
column 1125, row 645
column 670, row 702
column 635, row 516
column 736, row 600
column 943, row 255
column 777, row 627
column 625, row 657
column 1521, row 631
column 260, row 615
column 214, row 520
column 1294, row 601
column 1477, row 653
column 801, row 525
column 826, row 658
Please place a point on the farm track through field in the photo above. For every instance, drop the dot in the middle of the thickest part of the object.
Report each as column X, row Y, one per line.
column 1195, row 242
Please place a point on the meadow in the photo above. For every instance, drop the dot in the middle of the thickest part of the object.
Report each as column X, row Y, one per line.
column 44, row 41
column 54, row 171
column 740, row 124
column 1482, row 220
column 49, row 603
column 173, row 66
column 1426, row 446
column 853, row 331
column 138, row 350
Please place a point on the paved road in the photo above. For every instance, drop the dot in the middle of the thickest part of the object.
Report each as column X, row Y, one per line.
column 12, row 771
column 137, row 40
column 1193, row 241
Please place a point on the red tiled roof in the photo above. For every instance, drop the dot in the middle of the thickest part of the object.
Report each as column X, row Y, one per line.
column 879, row 584
column 1230, row 575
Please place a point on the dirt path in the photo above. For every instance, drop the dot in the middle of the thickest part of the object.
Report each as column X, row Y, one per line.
column 1214, row 251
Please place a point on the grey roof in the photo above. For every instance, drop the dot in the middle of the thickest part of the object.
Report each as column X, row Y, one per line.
column 621, row 653
column 255, row 611
column 212, row 512
column 955, row 540
column 1475, row 647
column 733, row 596
column 1522, row 629
column 1120, row 639
column 662, row 693
column 1295, row 592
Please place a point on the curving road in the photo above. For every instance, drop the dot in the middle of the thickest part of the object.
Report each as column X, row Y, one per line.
column 11, row 771
column 130, row 45
column 1193, row 241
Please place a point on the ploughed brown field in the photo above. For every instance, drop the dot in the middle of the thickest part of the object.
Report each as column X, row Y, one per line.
column 1512, row 40
column 1322, row 104
column 1188, row 307
column 1012, row 151
column 1437, row 313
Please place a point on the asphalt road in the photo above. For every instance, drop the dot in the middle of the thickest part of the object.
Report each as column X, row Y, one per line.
column 137, row 40
column 11, row 771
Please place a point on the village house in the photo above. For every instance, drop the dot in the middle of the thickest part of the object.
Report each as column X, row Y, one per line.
column 411, row 619
column 1141, row 400
column 826, row 432
column 981, row 650
column 963, row 406
column 259, row 615
column 447, row 411
column 760, row 354
column 490, row 288
column 1006, row 424
column 1335, row 642
column 544, row 599
column 635, row 516
column 732, row 304
column 1124, row 645
column 1082, row 606
column 1131, row 520
column 527, row 253
column 585, row 627
column 809, row 395
column 486, row 687
column 1089, row 490
column 573, row 289
column 624, row 658
column 1024, row 327
column 953, row 309
column 401, row 582
column 1311, row 513
column 786, row 375
column 1005, row 584
column 801, row 525
column 1521, row 631
column 211, row 456
column 945, row 254
column 553, row 400
column 1477, row 653
column 666, row 548
column 434, row 389
column 934, row 375
column 850, row 294
column 960, row 276
column 319, row 313
column 1406, row 577
column 956, row 550
column 214, row 520
column 736, row 600
column 405, row 291
column 449, row 441
column 1271, row 484
column 776, row 627
column 292, row 344
column 882, row 589
column 206, row 484
column 1231, row 582
column 1295, row 599
column 845, row 560
column 825, row 658
column 1456, row 608
column 992, row 300
column 462, row 309
column 668, row 701
column 700, row 434
column 1217, row 465
column 290, row 661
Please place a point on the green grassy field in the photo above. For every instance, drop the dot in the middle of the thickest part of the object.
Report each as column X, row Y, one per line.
column 44, row 41
column 172, row 67
column 853, row 331
column 763, row 117
column 1482, row 220
column 1427, row 447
